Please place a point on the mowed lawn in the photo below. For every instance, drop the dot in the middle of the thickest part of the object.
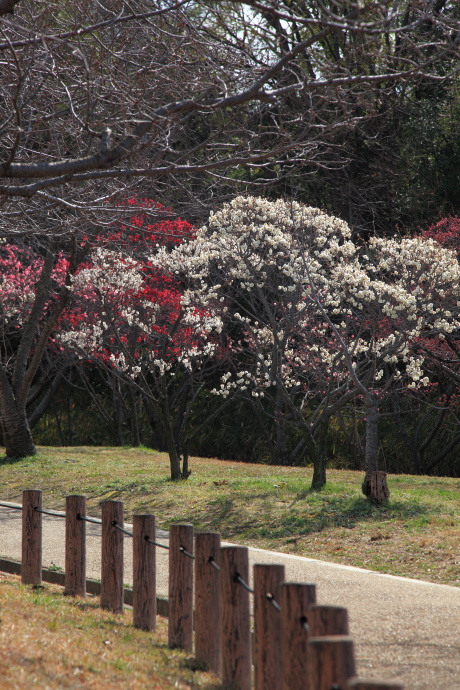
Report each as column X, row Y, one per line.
column 417, row 534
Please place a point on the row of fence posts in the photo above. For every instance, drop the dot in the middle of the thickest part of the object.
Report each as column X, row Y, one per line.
column 297, row 644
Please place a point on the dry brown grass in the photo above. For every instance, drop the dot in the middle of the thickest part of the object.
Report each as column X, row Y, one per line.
column 52, row 642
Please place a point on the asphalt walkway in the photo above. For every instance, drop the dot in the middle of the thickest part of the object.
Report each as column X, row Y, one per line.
column 405, row 630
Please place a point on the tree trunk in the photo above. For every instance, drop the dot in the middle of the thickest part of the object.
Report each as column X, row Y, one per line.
column 118, row 412
column 374, row 485
column 319, row 473
column 16, row 433
column 135, row 428
column 317, row 451
column 174, row 457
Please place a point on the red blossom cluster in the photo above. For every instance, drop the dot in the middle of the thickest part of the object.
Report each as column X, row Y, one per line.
column 445, row 232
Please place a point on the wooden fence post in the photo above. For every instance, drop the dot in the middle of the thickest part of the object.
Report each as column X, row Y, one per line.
column 31, row 567
column 180, row 623
column 236, row 634
column 267, row 626
column 112, row 557
column 295, row 600
column 357, row 684
column 208, row 615
column 144, row 572
column 327, row 620
column 331, row 661
column 75, row 546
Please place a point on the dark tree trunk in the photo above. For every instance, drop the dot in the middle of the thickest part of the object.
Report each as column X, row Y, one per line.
column 135, row 428
column 16, row 433
column 15, row 387
column 17, row 437
column 118, row 410
column 319, row 473
column 316, row 449
column 374, row 485
column 174, row 457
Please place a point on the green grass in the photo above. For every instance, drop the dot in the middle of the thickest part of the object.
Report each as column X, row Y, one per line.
column 416, row 534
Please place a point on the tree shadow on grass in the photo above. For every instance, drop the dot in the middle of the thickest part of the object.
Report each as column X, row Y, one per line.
column 332, row 512
column 337, row 512
column 7, row 460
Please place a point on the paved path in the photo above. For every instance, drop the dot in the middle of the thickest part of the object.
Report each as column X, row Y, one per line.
column 404, row 629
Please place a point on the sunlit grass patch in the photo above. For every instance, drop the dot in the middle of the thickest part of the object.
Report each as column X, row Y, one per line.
column 264, row 506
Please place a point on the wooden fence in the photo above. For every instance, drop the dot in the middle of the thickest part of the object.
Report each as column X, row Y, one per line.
column 296, row 644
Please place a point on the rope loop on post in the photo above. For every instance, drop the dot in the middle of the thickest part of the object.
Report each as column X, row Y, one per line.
column 213, row 563
column 95, row 521
column 304, row 624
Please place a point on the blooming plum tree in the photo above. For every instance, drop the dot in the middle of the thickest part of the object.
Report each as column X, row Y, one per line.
column 115, row 310
column 130, row 316
column 314, row 320
column 248, row 265
column 404, row 292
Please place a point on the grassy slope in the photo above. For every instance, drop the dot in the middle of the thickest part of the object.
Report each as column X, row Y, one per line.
column 51, row 641
column 415, row 535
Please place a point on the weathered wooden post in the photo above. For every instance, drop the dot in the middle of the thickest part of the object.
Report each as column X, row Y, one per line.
column 295, row 600
column 144, row 572
column 236, row 634
column 180, row 623
column 208, row 615
column 327, row 620
column 331, row 661
column 357, row 684
column 31, row 566
column 75, row 546
column 112, row 556
column 267, row 626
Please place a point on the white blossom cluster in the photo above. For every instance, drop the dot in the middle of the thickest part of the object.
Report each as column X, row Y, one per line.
column 131, row 332
column 252, row 242
column 306, row 297
column 108, row 271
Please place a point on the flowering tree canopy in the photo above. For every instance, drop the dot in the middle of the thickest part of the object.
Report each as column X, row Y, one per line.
column 111, row 307
column 312, row 316
column 129, row 315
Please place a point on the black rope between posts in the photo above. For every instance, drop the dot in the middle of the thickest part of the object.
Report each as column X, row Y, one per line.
column 95, row 521
column 155, row 543
column 122, row 529
column 5, row 505
column 49, row 512
column 237, row 578
column 183, row 550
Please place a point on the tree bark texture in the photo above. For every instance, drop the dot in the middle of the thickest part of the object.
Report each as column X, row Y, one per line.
column 17, row 437
column 375, row 484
